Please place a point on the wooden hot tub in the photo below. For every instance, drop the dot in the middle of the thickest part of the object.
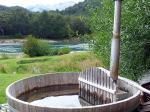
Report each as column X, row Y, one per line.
column 48, row 80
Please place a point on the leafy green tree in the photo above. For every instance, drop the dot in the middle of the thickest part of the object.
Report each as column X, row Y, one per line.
column 79, row 26
column 135, row 38
column 18, row 22
column 47, row 25
column 135, row 42
column 101, row 20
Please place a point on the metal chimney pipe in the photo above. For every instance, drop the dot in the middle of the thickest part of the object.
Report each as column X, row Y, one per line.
column 115, row 47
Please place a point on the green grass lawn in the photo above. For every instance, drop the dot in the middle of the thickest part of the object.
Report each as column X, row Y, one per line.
column 18, row 68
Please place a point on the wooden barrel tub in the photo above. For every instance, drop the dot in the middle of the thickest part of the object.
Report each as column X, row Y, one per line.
column 25, row 85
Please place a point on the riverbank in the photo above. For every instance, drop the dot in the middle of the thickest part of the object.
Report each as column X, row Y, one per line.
column 16, row 41
column 20, row 41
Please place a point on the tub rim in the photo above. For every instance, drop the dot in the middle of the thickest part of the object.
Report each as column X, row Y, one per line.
column 84, row 107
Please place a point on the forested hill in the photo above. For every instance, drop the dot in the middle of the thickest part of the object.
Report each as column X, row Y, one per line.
column 4, row 8
column 18, row 21
column 82, row 8
column 11, row 18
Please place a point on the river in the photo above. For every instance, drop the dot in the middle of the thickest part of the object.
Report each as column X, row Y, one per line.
column 17, row 47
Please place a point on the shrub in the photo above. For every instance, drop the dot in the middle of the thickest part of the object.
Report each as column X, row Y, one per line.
column 36, row 47
column 53, row 52
column 64, row 50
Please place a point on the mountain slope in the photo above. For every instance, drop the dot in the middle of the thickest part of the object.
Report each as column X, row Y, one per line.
column 82, row 8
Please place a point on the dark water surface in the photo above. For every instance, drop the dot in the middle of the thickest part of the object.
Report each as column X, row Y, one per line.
column 54, row 96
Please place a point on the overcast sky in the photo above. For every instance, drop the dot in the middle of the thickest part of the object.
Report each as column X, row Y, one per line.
column 26, row 3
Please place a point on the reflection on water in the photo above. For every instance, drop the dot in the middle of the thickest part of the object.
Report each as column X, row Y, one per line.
column 59, row 101
column 54, row 96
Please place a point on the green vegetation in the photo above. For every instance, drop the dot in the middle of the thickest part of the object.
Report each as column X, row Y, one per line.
column 74, row 22
column 81, row 9
column 18, row 68
column 5, row 80
column 64, row 50
column 72, row 62
column 135, row 42
column 17, row 22
column 36, row 47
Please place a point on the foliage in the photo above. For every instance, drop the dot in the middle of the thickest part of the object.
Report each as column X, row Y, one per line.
column 78, row 25
column 14, row 21
column 80, row 9
column 64, row 50
column 135, row 49
column 18, row 21
column 60, row 51
column 135, row 42
column 48, row 25
column 53, row 52
column 101, row 24
column 35, row 47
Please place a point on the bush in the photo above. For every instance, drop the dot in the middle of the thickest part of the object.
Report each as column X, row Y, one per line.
column 64, row 50
column 35, row 47
column 60, row 51
column 53, row 52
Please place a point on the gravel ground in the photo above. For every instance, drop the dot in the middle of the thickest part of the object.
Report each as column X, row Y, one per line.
column 4, row 108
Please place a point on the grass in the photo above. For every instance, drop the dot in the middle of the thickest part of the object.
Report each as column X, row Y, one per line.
column 18, row 68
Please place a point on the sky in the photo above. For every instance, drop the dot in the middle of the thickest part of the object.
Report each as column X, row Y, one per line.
column 27, row 3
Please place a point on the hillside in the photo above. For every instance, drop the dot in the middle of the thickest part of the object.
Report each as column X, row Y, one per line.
column 10, row 9
column 82, row 8
column 17, row 21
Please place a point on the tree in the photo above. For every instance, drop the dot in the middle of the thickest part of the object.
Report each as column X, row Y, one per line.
column 135, row 42
column 79, row 26
column 19, row 23
column 50, row 25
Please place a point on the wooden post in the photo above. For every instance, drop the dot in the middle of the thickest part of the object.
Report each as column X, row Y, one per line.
column 115, row 47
